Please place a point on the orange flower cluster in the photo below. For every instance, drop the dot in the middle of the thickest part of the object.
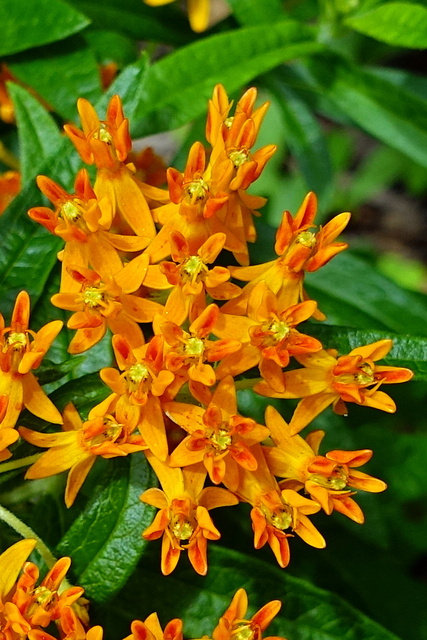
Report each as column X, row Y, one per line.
column 28, row 608
column 142, row 262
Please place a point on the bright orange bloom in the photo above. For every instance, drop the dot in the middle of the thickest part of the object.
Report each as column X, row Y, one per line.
column 183, row 521
column 299, row 250
column 25, row 605
column 268, row 336
column 189, row 352
column 218, row 436
column 105, row 303
column 198, row 12
column 22, row 350
column 191, row 278
column 328, row 479
column 195, row 202
column 77, row 447
column 233, row 625
column 138, row 390
column 10, row 186
column 84, row 222
column 107, row 144
column 150, row 629
column 275, row 511
column 232, row 138
column 326, row 380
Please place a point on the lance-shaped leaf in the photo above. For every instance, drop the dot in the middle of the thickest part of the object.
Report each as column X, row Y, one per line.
column 105, row 540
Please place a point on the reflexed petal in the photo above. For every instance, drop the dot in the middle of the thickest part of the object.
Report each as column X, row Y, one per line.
column 76, row 477
column 11, row 563
column 37, row 402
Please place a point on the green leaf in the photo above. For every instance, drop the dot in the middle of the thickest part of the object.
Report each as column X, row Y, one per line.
column 38, row 134
column 60, row 73
column 407, row 351
column 130, row 86
column 397, row 23
column 252, row 12
column 105, row 540
column 136, row 20
column 305, row 138
column 31, row 23
column 308, row 613
column 178, row 86
column 350, row 282
column 386, row 110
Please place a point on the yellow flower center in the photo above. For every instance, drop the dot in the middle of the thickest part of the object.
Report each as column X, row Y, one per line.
column 307, row 239
column 221, row 439
column 103, row 134
column 71, row 211
column 279, row 329
column 192, row 268
column 243, row 631
column 113, row 429
column 194, row 347
column 18, row 341
column 366, row 376
column 239, row 157
column 92, row 296
column 137, row 373
column 182, row 529
column 228, row 122
column 280, row 518
column 196, row 191
column 337, row 481
column 43, row 596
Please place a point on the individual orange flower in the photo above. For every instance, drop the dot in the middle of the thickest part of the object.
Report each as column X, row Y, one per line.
column 275, row 511
column 10, row 186
column 330, row 479
column 84, row 223
column 27, row 606
column 77, row 447
column 191, row 278
column 105, row 303
column 41, row 602
column 234, row 625
column 218, row 436
column 268, row 336
column 150, row 629
column 232, row 138
column 107, row 144
column 183, row 521
column 190, row 352
column 198, row 12
column 327, row 380
column 299, row 249
column 138, row 389
column 192, row 211
column 22, row 350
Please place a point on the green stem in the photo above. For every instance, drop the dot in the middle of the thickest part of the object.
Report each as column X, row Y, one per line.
column 26, row 532
column 17, row 464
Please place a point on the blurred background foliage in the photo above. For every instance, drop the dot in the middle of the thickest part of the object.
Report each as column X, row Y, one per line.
column 349, row 115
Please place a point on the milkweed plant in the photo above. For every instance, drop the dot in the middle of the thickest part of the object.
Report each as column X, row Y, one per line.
column 197, row 340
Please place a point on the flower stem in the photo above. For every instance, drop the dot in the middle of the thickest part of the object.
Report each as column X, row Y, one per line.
column 26, row 532
column 17, row 464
